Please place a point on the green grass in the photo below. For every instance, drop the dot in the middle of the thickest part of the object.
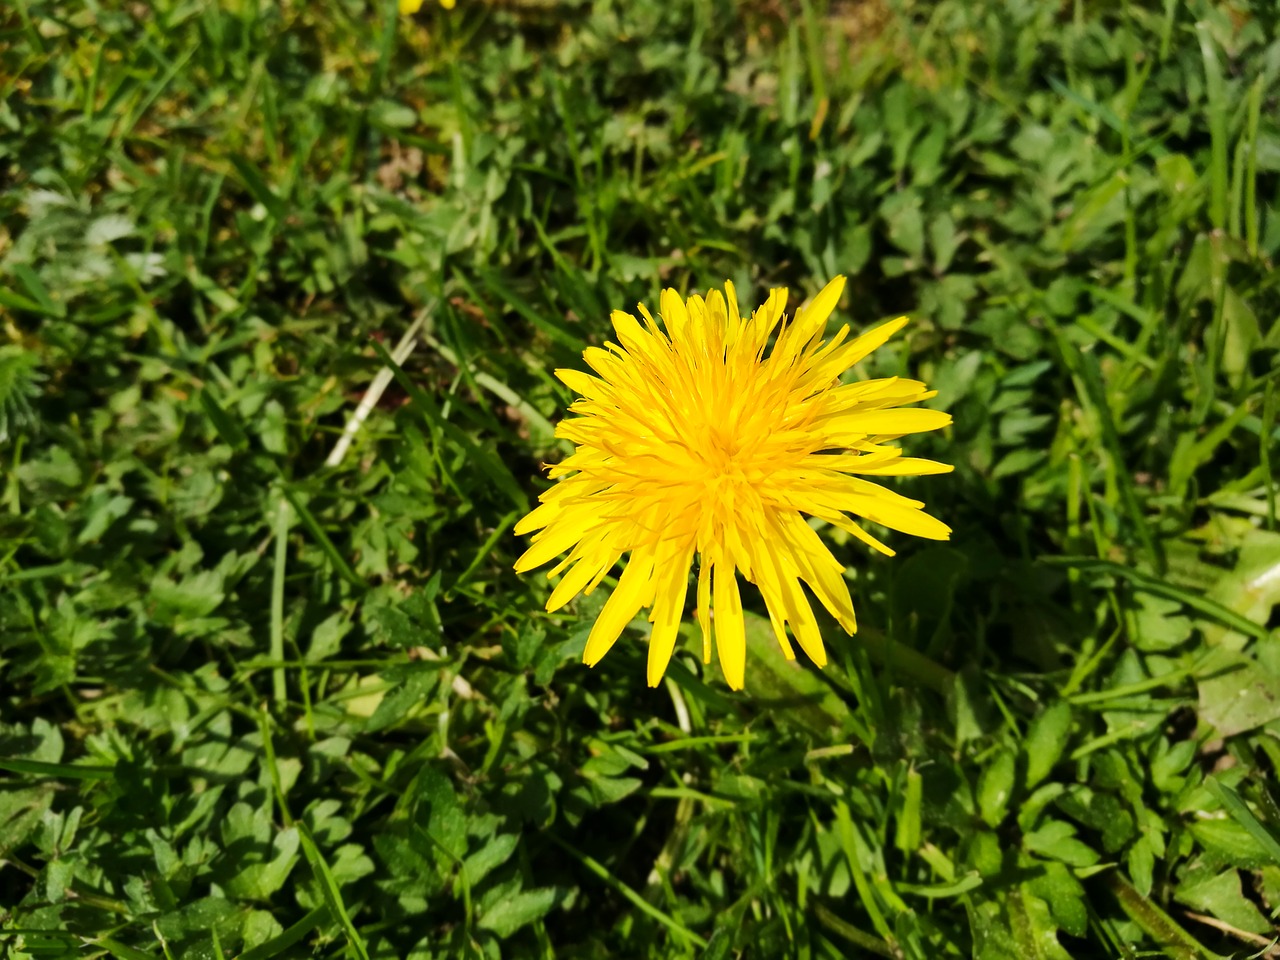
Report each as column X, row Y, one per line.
column 256, row 706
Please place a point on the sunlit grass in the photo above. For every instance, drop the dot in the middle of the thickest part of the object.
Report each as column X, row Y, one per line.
column 269, row 692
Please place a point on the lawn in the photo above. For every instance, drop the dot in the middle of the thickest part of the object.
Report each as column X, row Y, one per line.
column 271, row 687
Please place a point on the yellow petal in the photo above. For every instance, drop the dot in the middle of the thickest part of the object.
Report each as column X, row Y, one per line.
column 896, row 517
column 803, row 624
column 841, row 522
column 582, row 384
column 903, row 467
column 623, row 604
column 408, row 7
column 704, row 334
column 889, row 391
column 704, row 607
column 537, row 518
column 735, row 318
column 872, row 340
column 718, row 314
column 576, row 580
column 731, row 637
column 825, row 366
column 552, row 542
column 668, row 611
column 610, row 366
column 634, row 338
column 806, row 325
column 767, row 579
column 812, row 320
column 899, row 422
column 649, row 322
column 820, row 570
column 765, row 319
column 674, row 314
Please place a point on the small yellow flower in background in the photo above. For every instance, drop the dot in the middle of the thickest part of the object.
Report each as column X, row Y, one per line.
column 409, row 7
column 694, row 441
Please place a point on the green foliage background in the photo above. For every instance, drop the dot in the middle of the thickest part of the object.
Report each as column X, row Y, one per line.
column 256, row 706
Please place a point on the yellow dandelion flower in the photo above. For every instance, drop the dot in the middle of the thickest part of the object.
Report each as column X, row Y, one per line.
column 409, row 7
column 694, row 441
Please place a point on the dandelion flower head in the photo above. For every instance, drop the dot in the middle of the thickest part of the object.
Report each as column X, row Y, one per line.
column 695, row 438
column 409, row 7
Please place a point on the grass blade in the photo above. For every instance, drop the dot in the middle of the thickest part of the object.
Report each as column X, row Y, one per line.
column 35, row 286
column 1242, row 815
column 1085, row 366
column 639, row 902
column 1161, row 588
column 513, row 300
column 257, row 187
column 1217, row 114
column 122, row 951
column 224, row 424
column 1175, row 941
column 282, row 942
column 1264, row 449
column 850, row 842
column 60, row 771
column 860, row 938
column 313, row 526
column 488, row 464
column 329, row 890
column 278, row 688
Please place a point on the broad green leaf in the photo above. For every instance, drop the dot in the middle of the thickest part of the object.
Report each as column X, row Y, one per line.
column 1239, row 695
column 1045, row 741
column 438, row 812
column 1057, row 840
column 995, row 788
column 493, row 854
column 509, row 914
column 1219, row 895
